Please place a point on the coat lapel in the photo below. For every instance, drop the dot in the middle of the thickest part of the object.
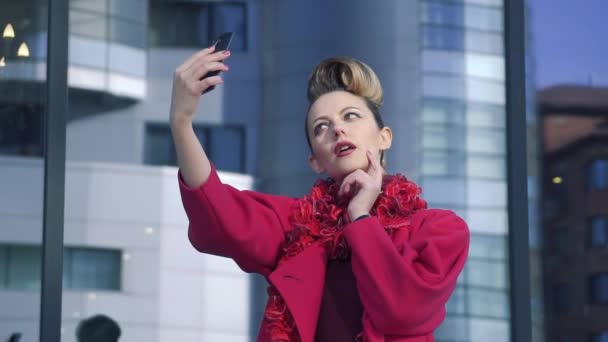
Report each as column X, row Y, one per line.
column 300, row 281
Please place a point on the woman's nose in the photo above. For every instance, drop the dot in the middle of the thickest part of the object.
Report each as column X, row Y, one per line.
column 339, row 130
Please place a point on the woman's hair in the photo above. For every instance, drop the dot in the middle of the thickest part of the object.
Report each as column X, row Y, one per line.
column 345, row 74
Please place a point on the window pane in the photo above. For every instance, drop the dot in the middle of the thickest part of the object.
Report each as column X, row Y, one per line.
column 560, row 241
column 67, row 268
column 601, row 337
column 598, row 175
column 598, row 232
column 486, row 141
column 489, row 303
column 442, row 111
column 486, row 167
column 89, row 6
column 21, row 130
column 132, row 10
column 442, row 163
column 24, row 268
column 480, row 90
column 566, row 338
column 484, row 42
column 446, row 86
column 486, row 273
column 195, row 24
column 485, row 66
column 95, row 269
column 562, row 298
column 227, row 144
column 3, row 266
column 494, row 3
column 179, row 25
column 483, row 18
column 159, row 148
column 230, row 18
column 485, row 115
column 435, row 163
column 87, row 24
column 442, row 137
column 442, row 13
column 127, row 32
column 443, row 38
column 443, row 62
column 202, row 133
column 489, row 330
column 453, row 329
column 488, row 246
column 599, row 288
column 456, row 304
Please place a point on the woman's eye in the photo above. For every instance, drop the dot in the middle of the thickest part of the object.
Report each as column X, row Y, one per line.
column 351, row 115
column 318, row 128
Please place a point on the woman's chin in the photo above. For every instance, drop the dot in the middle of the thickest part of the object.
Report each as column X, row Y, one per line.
column 344, row 169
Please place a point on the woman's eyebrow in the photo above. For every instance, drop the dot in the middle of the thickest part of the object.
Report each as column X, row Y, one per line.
column 319, row 118
column 342, row 111
column 348, row 107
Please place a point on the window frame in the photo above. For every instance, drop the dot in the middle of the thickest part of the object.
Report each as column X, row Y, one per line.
column 211, row 30
column 201, row 130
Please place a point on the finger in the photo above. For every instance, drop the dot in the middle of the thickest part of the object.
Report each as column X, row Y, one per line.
column 206, row 83
column 345, row 185
column 192, row 60
column 342, row 187
column 218, row 56
column 206, row 62
column 205, row 68
column 375, row 171
column 350, row 182
column 198, row 63
column 373, row 164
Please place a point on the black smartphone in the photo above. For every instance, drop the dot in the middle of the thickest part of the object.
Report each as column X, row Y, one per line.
column 221, row 43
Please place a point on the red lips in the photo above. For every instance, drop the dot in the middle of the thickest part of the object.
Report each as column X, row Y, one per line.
column 346, row 145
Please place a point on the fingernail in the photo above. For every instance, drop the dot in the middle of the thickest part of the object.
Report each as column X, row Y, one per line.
column 226, row 52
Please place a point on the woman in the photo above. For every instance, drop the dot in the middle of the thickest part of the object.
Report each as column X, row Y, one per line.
column 359, row 257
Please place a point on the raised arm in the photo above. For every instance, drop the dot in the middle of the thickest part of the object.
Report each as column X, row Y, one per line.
column 246, row 226
column 187, row 89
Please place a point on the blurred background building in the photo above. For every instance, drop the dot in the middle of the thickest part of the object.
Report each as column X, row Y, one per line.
column 442, row 66
column 575, row 222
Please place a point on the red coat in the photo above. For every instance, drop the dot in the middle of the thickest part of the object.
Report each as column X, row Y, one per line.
column 404, row 283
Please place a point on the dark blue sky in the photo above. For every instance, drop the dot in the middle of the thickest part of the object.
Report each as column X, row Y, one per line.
column 570, row 41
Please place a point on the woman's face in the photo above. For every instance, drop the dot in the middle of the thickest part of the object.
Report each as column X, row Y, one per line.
column 341, row 129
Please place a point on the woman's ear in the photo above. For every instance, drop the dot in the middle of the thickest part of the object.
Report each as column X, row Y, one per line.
column 314, row 164
column 386, row 138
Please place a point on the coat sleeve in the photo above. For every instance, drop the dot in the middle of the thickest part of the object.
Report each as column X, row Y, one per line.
column 405, row 285
column 247, row 226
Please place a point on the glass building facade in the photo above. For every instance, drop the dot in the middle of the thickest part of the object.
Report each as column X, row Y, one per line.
column 463, row 147
column 126, row 252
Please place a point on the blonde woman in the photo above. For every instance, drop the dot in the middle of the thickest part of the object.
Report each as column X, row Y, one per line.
column 360, row 257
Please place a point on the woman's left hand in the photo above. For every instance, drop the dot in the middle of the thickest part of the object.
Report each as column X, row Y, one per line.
column 363, row 186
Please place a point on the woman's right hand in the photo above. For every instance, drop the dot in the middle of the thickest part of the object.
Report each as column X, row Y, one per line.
column 187, row 83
